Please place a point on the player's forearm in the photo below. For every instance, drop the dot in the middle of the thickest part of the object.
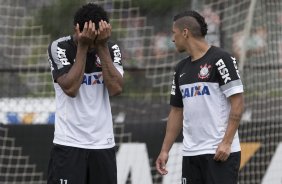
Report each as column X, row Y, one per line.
column 237, row 107
column 71, row 81
column 112, row 78
column 173, row 129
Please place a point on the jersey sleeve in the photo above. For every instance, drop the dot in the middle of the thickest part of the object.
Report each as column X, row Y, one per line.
column 58, row 60
column 175, row 94
column 116, row 57
column 229, row 78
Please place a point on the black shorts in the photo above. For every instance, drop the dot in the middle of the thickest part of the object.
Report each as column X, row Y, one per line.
column 203, row 169
column 70, row 165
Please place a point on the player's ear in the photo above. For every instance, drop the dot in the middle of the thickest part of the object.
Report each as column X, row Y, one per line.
column 185, row 32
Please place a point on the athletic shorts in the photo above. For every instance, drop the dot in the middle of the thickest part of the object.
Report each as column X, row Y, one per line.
column 203, row 169
column 70, row 165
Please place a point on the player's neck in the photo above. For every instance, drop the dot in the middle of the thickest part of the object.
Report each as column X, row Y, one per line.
column 198, row 49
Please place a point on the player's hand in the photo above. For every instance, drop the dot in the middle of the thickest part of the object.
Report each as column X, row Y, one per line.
column 222, row 152
column 161, row 163
column 88, row 34
column 103, row 33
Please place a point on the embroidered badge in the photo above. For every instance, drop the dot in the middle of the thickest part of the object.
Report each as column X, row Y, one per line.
column 204, row 72
column 98, row 62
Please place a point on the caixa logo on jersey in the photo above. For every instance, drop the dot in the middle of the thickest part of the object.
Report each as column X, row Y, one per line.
column 92, row 79
column 195, row 91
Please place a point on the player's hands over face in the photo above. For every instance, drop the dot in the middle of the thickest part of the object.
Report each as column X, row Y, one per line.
column 87, row 36
column 161, row 163
column 222, row 152
column 103, row 33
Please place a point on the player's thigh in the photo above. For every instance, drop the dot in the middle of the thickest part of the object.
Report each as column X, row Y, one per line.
column 102, row 166
column 191, row 172
column 67, row 165
column 224, row 172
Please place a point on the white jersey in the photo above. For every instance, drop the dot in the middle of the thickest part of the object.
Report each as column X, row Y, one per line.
column 84, row 121
column 202, row 88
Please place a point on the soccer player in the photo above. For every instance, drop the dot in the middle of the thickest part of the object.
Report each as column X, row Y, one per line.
column 86, row 69
column 206, row 104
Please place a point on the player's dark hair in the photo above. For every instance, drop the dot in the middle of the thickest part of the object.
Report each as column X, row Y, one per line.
column 197, row 25
column 88, row 12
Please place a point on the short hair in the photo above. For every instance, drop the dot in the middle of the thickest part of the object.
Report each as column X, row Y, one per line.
column 193, row 21
column 88, row 12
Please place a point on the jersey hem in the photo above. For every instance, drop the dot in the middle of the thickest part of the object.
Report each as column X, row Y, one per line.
column 203, row 152
column 85, row 146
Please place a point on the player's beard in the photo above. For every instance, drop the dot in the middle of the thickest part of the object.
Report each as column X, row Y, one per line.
column 180, row 50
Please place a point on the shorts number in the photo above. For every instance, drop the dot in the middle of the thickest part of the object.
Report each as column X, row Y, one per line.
column 184, row 181
column 62, row 181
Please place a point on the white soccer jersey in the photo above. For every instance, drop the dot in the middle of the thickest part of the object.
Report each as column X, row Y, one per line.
column 86, row 120
column 202, row 88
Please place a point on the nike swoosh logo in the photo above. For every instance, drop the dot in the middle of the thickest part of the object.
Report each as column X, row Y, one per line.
column 182, row 74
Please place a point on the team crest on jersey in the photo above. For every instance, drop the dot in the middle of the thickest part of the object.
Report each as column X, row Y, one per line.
column 98, row 62
column 204, row 72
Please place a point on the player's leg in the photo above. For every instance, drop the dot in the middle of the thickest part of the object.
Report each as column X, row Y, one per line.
column 102, row 166
column 191, row 172
column 67, row 165
column 223, row 172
